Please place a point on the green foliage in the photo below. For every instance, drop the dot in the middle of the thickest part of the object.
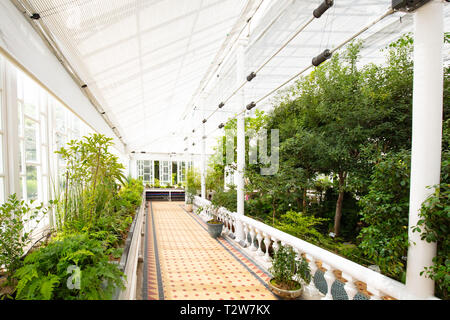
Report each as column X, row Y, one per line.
column 286, row 268
column 301, row 226
column 225, row 199
column 18, row 220
column 91, row 180
column 45, row 274
column 385, row 211
column 193, row 183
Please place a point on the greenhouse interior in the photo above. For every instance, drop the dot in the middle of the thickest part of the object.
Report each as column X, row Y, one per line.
column 224, row 150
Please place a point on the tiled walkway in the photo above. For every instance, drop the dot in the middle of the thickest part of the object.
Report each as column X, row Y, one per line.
column 184, row 262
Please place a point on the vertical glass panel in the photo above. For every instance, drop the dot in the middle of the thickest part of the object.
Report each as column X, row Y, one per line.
column 30, row 140
column 23, row 183
column 1, row 102
column 44, row 164
column 60, row 118
column 20, row 85
column 20, row 115
column 21, row 159
column 31, row 98
column 32, row 183
column 43, row 130
column 2, row 190
column 1, row 153
column 45, row 195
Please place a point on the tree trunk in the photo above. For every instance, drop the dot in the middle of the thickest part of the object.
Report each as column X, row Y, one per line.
column 338, row 215
column 304, row 200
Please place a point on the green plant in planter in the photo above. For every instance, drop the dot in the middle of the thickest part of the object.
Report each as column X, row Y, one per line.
column 214, row 226
column 287, row 270
column 49, row 273
column 15, row 215
column 199, row 210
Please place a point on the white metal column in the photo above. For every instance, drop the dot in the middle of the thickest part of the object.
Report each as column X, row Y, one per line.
column 240, row 76
column 12, row 181
column 203, row 163
column 426, row 136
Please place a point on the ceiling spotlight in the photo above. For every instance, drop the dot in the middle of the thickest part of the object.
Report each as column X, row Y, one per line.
column 35, row 16
column 221, row 105
column 221, row 126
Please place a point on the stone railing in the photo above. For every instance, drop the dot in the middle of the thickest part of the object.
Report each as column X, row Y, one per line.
column 333, row 277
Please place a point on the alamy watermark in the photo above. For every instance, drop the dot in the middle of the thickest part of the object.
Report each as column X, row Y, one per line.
column 258, row 150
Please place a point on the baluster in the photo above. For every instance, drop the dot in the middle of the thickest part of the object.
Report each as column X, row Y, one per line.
column 259, row 238
column 375, row 294
column 267, row 244
column 329, row 278
column 252, row 237
column 350, row 287
column 311, row 291
column 275, row 245
column 246, row 230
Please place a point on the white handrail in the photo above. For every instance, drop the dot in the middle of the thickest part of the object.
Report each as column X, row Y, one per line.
column 377, row 283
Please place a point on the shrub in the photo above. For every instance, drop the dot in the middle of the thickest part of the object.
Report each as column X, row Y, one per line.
column 46, row 273
column 14, row 216
column 287, row 270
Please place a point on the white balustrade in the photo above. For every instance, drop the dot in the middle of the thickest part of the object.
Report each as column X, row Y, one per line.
column 259, row 238
column 252, row 237
column 380, row 286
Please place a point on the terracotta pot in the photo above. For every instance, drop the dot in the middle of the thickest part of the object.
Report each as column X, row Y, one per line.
column 285, row 294
column 189, row 207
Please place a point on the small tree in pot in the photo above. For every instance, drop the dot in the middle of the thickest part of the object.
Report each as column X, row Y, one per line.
column 289, row 273
column 214, row 225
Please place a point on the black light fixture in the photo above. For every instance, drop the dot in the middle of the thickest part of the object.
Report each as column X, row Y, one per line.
column 251, row 76
column 193, row 144
column 324, row 6
column 221, row 105
column 204, row 121
column 221, row 126
column 84, row 86
column 193, row 131
column 143, row 152
column 408, row 5
column 251, row 105
column 35, row 16
column 321, row 58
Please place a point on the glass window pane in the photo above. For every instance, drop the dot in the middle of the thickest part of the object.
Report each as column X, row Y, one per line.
column 43, row 130
column 1, row 101
column 21, row 159
column 30, row 140
column 31, row 98
column 2, row 190
column 44, row 164
column 20, row 115
column 32, row 183
column 1, row 153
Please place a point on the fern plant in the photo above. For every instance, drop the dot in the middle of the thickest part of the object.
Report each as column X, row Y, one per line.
column 46, row 272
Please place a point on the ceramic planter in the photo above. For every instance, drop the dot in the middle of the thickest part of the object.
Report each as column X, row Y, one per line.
column 214, row 229
column 285, row 294
column 189, row 207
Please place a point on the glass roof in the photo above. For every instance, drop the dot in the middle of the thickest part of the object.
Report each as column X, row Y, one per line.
column 152, row 64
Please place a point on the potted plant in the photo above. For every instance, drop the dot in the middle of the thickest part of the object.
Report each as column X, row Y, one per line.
column 214, row 226
column 289, row 274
